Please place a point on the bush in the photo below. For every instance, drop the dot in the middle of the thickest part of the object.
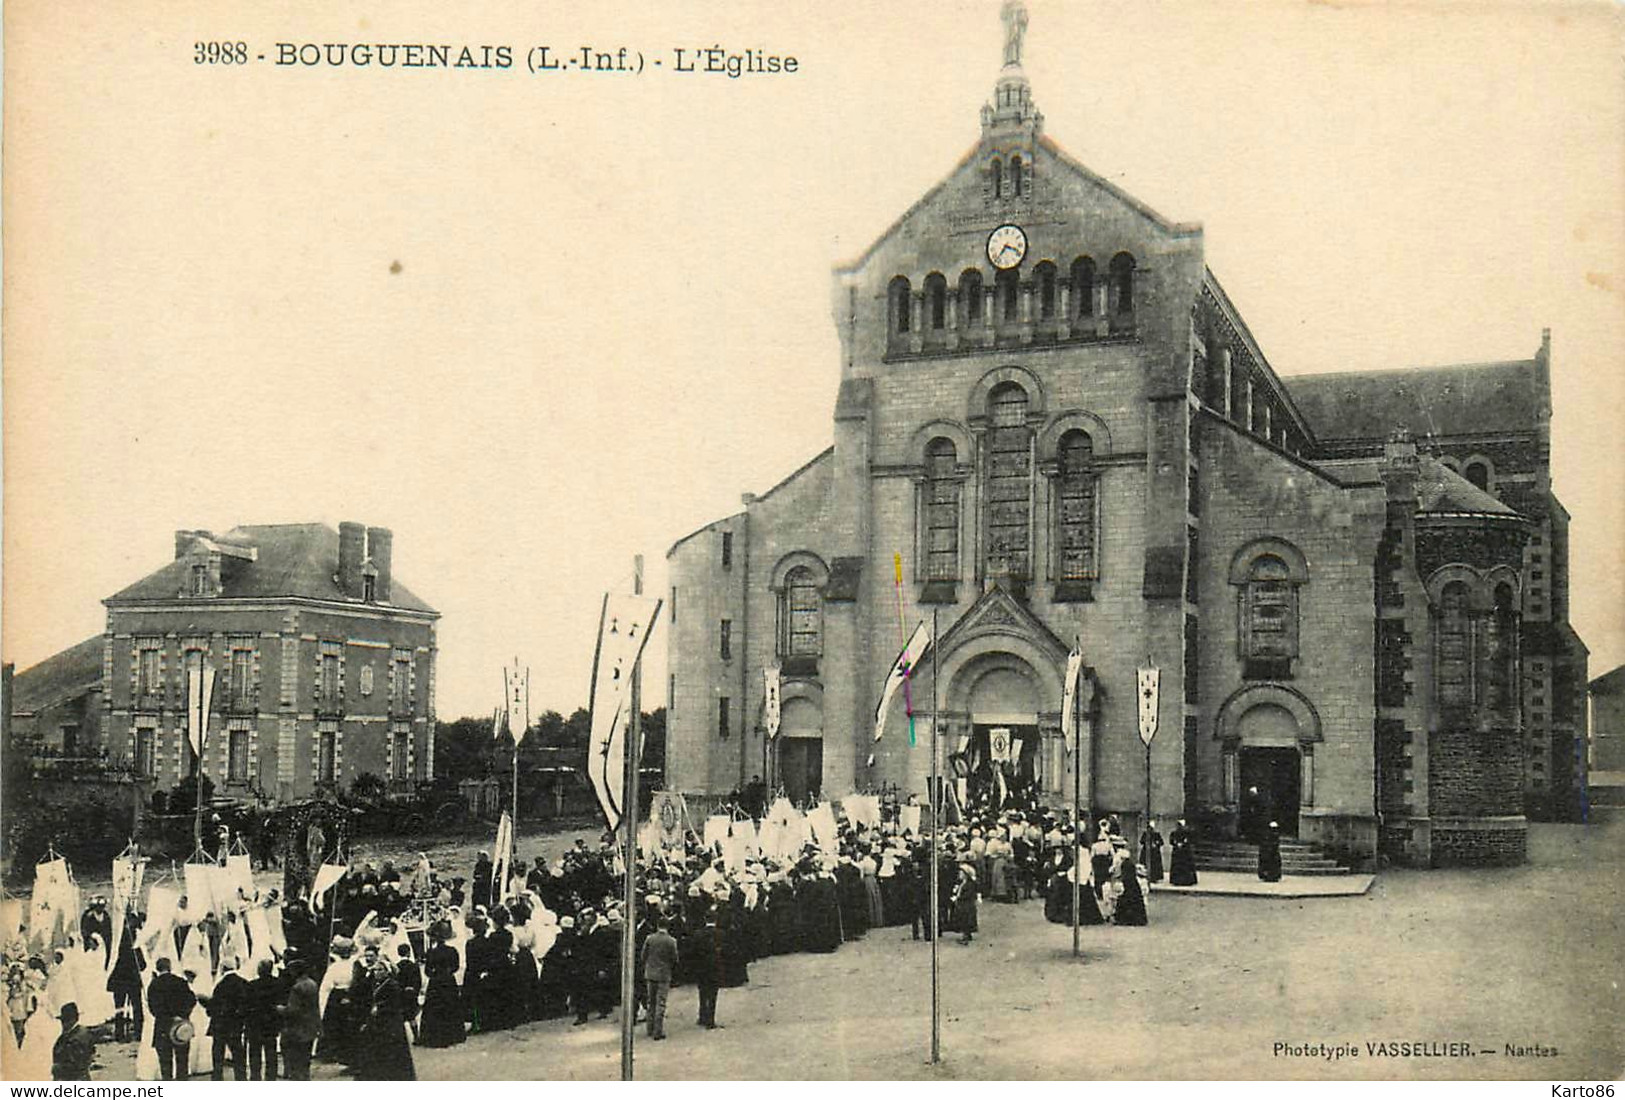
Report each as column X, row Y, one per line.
column 87, row 830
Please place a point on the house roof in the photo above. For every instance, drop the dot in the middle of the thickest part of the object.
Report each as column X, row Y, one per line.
column 1469, row 399
column 297, row 560
column 1441, row 489
column 1609, row 683
column 62, row 676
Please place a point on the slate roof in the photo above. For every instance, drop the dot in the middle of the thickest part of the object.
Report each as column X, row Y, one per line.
column 293, row 560
column 1438, row 487
column 1471, row 399
column 61, row 676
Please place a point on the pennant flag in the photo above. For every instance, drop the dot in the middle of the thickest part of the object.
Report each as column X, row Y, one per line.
column 1069, row 698
column 517, row 700
column 1150, row 680
column 668, row 812
column 502, row 856
column 327, row 877
column 908, row 819
column 623, row 630
column 770, row 700
column 199, row 695
column 901, row 669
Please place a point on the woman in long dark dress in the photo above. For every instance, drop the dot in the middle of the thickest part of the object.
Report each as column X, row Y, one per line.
column 443, row 1014
column 1151, row 852
column 382, row 1052
column 1183, row 869
column 963, row 916
column 1058, row 902
column 1269, row 854
column 502, row 999
column 1131, row 903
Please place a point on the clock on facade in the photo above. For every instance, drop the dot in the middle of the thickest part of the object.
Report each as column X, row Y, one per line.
column 1006, row 246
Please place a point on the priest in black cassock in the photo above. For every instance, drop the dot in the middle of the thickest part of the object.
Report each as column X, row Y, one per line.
column 1151, row 852
column 1183, row 870
column 1269, row 853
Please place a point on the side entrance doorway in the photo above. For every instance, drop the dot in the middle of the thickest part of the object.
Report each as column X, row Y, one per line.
column 801, row 767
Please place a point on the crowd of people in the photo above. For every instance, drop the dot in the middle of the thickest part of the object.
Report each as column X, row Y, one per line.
column 391, row 958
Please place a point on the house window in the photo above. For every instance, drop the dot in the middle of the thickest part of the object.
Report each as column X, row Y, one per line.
column 1453, row 669
column 1083, row 285
column 671, row 608
column 237, row 755
column 727, row 549
column 400, row 687
column 369, row 587
column 327, row 753
column 401, row 752
column 146, row 757
column 802, row 617
column 70, row 740
column 970, row 297
column 936, row 293
column 1123, row 282
column 722, row 716
column 242, row 678
column 941, row 511
column 329, row 687
column 1009, row 484
column 671, row 693
column 200, row 580
column 1269, row 619
column 1075, row 508
column 148, row 681
column 725, row 639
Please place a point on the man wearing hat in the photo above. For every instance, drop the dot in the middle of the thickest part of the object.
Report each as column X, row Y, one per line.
column 301, row 1022
column 73, row 1053
column 227, row 1006
column 171, row 1000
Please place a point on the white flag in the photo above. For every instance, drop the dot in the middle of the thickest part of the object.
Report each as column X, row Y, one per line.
column 770, row 700
column 998, row 744
column 1150, row 679
column 199, row 694
column 502, row 857
column 623, row 630
column 1069, row 698
column 517, row 684
column 327, row 877
column 901, row 670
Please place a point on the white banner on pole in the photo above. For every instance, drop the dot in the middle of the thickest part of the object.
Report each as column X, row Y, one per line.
column 1069, row 698
column 1149, row 682
column 623, row 629
column 770, row 700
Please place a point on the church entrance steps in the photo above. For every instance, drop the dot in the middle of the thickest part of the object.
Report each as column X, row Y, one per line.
column 1297, row 858
column 1238, row 884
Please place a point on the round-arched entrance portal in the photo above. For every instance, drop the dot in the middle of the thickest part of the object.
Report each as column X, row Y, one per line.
column 998, row 747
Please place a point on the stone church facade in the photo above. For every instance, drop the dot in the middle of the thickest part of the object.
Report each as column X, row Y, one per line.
column 1354, row 585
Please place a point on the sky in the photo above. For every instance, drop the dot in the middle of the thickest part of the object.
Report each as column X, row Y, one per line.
column 540, row 323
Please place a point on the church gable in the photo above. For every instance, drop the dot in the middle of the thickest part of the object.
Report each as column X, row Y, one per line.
column 997, row 612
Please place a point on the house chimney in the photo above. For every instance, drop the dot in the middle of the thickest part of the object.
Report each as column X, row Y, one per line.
column 352, row 549
column 183, row 542
column 379, row 546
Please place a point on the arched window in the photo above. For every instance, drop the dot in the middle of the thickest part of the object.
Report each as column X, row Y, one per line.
column 1045, row 274
column 970, row 297
column 1478, row 472
column 1269, row 619
column 1453, row 668
column 1075, row 518
column 941, row 511
column 801, row 626
column 1009, row 484
column 899, row 299
column 1083, row 286
column 1009, row 286
column 936, row 294
column 1015, row 176
column 996, row 170
column 1123, row 282
column 1501, row 650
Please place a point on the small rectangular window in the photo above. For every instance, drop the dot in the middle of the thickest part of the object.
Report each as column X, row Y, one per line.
column 237, row 755
column 145, row 754
column 401, row 756
column 671, row 693
column 727, row 549
column 671, row 611
column 725, row 639
column 722, row 716
column 327, row 742
column 147, row 679
column 242, row 678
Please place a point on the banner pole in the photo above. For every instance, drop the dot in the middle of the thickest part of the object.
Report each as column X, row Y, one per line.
column 1077, row 827
column 629, row 822
column 936, row 847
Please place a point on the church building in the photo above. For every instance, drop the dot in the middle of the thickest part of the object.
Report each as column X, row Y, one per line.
column 1354, row 586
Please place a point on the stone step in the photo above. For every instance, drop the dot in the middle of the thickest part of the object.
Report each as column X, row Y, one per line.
column 1252, row 868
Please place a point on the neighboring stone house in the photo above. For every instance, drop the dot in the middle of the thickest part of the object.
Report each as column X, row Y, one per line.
column 56, row 706
column 1354, row 585
column 324, row 665
column 1608, row 722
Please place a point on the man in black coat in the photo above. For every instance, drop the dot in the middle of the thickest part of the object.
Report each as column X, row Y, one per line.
column 228, row 1009
column 96, row 921
column 170, row 1000
column 707, row 954
column 73, row 1052
column 261, row 1022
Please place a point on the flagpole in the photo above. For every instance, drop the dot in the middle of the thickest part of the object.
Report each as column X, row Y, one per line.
column 1077, row 827
column 936, row 841
column 629, row 822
